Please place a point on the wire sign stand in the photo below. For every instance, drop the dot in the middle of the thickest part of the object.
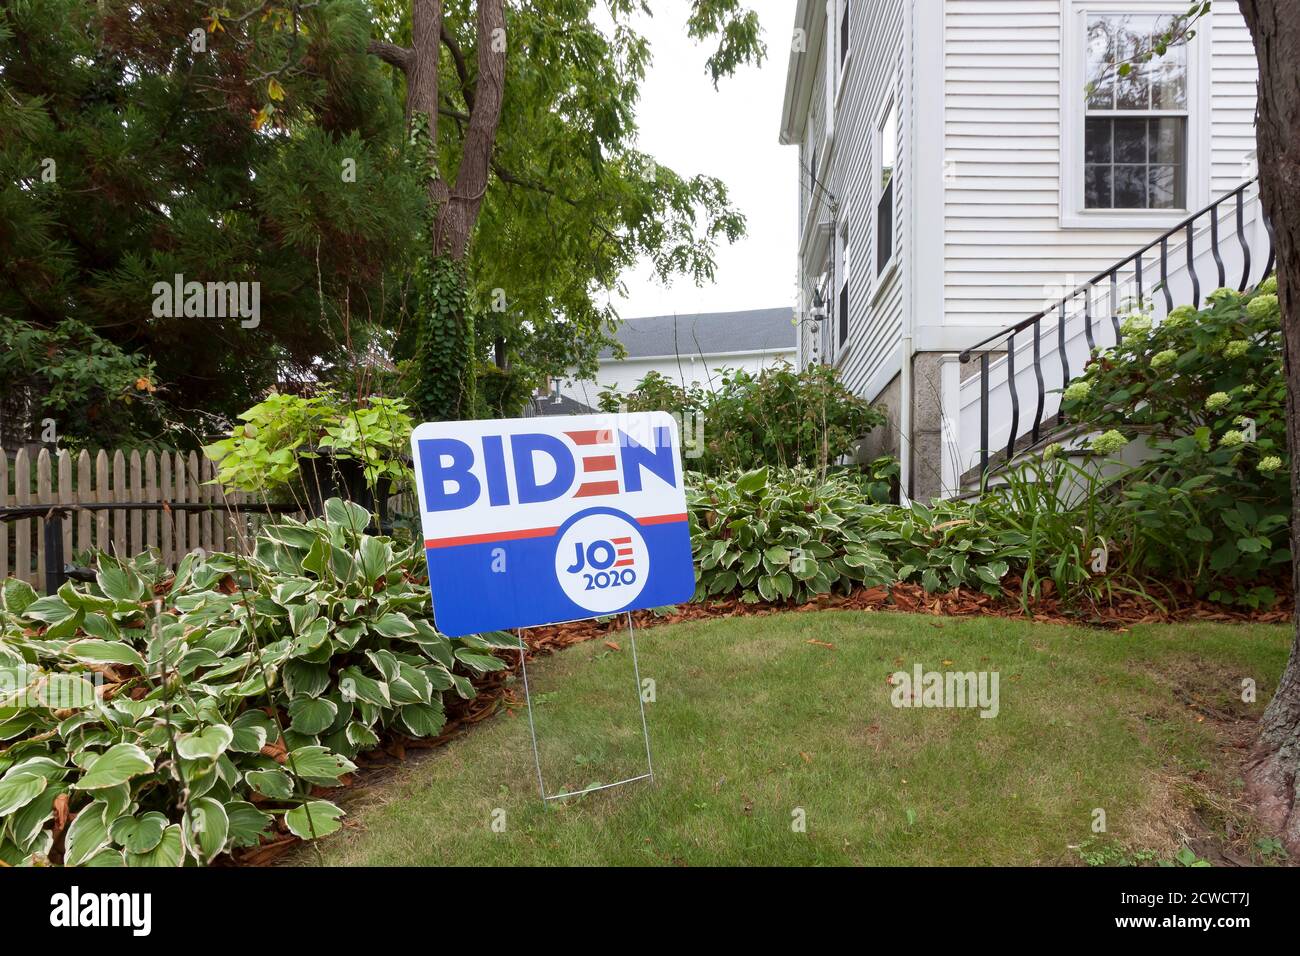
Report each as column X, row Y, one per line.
column 532, row 727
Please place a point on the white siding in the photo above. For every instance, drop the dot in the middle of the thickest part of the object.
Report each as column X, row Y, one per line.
column 1233, row 76
column 874, row 74
column 1005, row 249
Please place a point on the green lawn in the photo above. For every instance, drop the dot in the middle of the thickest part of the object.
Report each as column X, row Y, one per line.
column 753, row 724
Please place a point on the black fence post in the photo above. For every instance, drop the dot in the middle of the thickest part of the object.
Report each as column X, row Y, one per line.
column 55, row 574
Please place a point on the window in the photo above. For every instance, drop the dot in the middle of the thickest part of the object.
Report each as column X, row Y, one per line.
column 812, row 178
column 887, row 157
column 844, row 33
column 825, row 330
column 1135, row 126
column 842, row 276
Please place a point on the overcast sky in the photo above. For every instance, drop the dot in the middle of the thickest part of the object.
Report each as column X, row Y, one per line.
column 731, row 134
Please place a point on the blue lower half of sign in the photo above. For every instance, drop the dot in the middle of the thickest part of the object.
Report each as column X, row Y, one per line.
column 601, row 561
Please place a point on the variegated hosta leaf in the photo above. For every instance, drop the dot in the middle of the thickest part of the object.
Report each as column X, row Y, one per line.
column 138, row 834
column 205, row 744
column 314, row 819
column 206, row 828
column 87, row 835
column 168, row 853
column 114, row 766
column 318, row 764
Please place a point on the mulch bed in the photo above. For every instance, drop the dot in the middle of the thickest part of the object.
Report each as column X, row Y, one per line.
column 496, row 691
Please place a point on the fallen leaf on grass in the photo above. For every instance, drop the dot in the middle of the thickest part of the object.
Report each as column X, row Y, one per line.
column 813, row 640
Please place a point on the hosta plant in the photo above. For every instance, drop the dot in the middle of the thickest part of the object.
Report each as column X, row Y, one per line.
column 789, row 535
column 780, row 536
column 157, row 720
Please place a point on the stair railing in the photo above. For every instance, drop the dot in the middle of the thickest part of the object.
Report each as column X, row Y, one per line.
column 1084, row 293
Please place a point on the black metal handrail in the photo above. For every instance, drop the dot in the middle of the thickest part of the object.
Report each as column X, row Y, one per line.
column 1085, row 290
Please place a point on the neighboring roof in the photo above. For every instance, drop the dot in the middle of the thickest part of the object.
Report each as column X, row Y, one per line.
column 710, row 333
column 557, row 404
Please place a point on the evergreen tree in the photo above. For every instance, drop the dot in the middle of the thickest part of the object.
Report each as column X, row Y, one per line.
column 144, row 140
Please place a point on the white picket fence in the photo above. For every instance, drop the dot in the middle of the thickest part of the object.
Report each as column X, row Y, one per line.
column 130, row 477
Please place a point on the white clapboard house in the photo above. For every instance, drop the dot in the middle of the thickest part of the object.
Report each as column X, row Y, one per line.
column 966, row 186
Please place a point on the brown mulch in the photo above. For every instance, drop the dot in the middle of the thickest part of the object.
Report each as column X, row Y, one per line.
column 494, row 692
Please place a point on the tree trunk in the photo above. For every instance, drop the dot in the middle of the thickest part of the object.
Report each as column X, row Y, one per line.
column 457, row 204
column 1274, row 774
column 458, row 213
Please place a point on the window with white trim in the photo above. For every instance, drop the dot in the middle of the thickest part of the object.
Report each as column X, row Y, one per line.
column 842, row 282
column 843, row 33
column 886, row 160
column 825, row 327
column 1135, row 123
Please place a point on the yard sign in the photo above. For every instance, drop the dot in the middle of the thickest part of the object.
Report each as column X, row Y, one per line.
column 540, row 520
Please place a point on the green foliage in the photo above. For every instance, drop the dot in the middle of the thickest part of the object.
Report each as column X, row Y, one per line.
column 262, row 455
column 88, row 385
column 573, row 203
column 163, row 160
column 779, row 417
column 179, row 717
column 1075, row 537
column 789, row 535
column 442, row 370
column 781, row 537
column 1206, row 392
column 501, row 393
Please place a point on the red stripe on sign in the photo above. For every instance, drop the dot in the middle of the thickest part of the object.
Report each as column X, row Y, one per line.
column 593, row 488
column 661, row 519
column 495, row 536
column 598, row 463
column 619, row 564
column 624, row 552
column 621, row 540
column 595, row 436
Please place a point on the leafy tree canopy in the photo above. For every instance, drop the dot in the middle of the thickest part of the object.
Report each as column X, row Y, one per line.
column 265, row 142
column 136, row 144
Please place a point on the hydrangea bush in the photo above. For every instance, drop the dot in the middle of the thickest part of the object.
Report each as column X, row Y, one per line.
column 1204, row 390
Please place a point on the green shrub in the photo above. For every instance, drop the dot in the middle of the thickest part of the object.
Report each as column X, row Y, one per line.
column 225, row 693
column 262, row 454
column 1205, row 390
column 789, row 535
column 94, row 391
column 781, row 536
column 780, row 417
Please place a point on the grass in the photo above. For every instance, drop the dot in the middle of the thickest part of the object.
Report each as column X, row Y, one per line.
column 756, row 723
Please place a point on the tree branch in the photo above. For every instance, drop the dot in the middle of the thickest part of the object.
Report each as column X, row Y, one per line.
column 390, row 53
column 462, row 69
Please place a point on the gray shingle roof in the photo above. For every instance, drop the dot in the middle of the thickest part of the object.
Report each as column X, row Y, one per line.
column 710, row 333
column 547, row 405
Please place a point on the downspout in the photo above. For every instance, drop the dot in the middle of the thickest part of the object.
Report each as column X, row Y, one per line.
column 909, row 262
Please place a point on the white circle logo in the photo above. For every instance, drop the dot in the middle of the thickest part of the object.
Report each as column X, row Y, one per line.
column 602, row 562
